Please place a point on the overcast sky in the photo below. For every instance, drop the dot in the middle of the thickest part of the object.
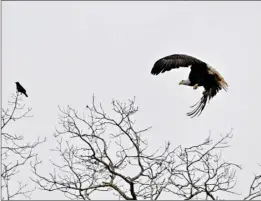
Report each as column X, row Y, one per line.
column 64, row 52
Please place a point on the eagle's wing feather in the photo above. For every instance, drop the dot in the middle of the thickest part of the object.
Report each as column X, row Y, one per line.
column 200, row 105
column 174, row 61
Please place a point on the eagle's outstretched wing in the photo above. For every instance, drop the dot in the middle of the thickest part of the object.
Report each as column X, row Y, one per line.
column 174, row 61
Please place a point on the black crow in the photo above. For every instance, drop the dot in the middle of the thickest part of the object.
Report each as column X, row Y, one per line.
column 20, row 89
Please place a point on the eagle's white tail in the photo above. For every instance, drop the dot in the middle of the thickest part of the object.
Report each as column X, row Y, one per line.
column 223, row 84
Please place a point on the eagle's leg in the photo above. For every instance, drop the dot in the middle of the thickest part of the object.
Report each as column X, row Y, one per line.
column 195, row 86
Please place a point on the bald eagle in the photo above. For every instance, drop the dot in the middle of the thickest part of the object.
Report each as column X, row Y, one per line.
column 201, row 75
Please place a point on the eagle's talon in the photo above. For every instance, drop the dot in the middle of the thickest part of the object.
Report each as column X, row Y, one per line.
column 195, row 86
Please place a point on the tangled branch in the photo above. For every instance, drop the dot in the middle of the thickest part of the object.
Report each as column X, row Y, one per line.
column 255, row 188
column 101, row 152
column 15, row 152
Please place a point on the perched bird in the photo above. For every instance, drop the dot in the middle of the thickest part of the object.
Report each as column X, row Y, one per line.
column 201, row 74
column 20, row 88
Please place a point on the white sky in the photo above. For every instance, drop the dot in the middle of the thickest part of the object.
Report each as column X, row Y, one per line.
column 63, row 52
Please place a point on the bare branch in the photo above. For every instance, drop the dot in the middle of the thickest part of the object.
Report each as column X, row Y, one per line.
column 15, row 152
column 101, row 152
column 106, row 148
column 255, row 188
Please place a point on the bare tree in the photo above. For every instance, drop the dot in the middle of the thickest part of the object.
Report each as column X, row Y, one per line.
column 202, row 172
column 104, row 153
column 15, row 152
